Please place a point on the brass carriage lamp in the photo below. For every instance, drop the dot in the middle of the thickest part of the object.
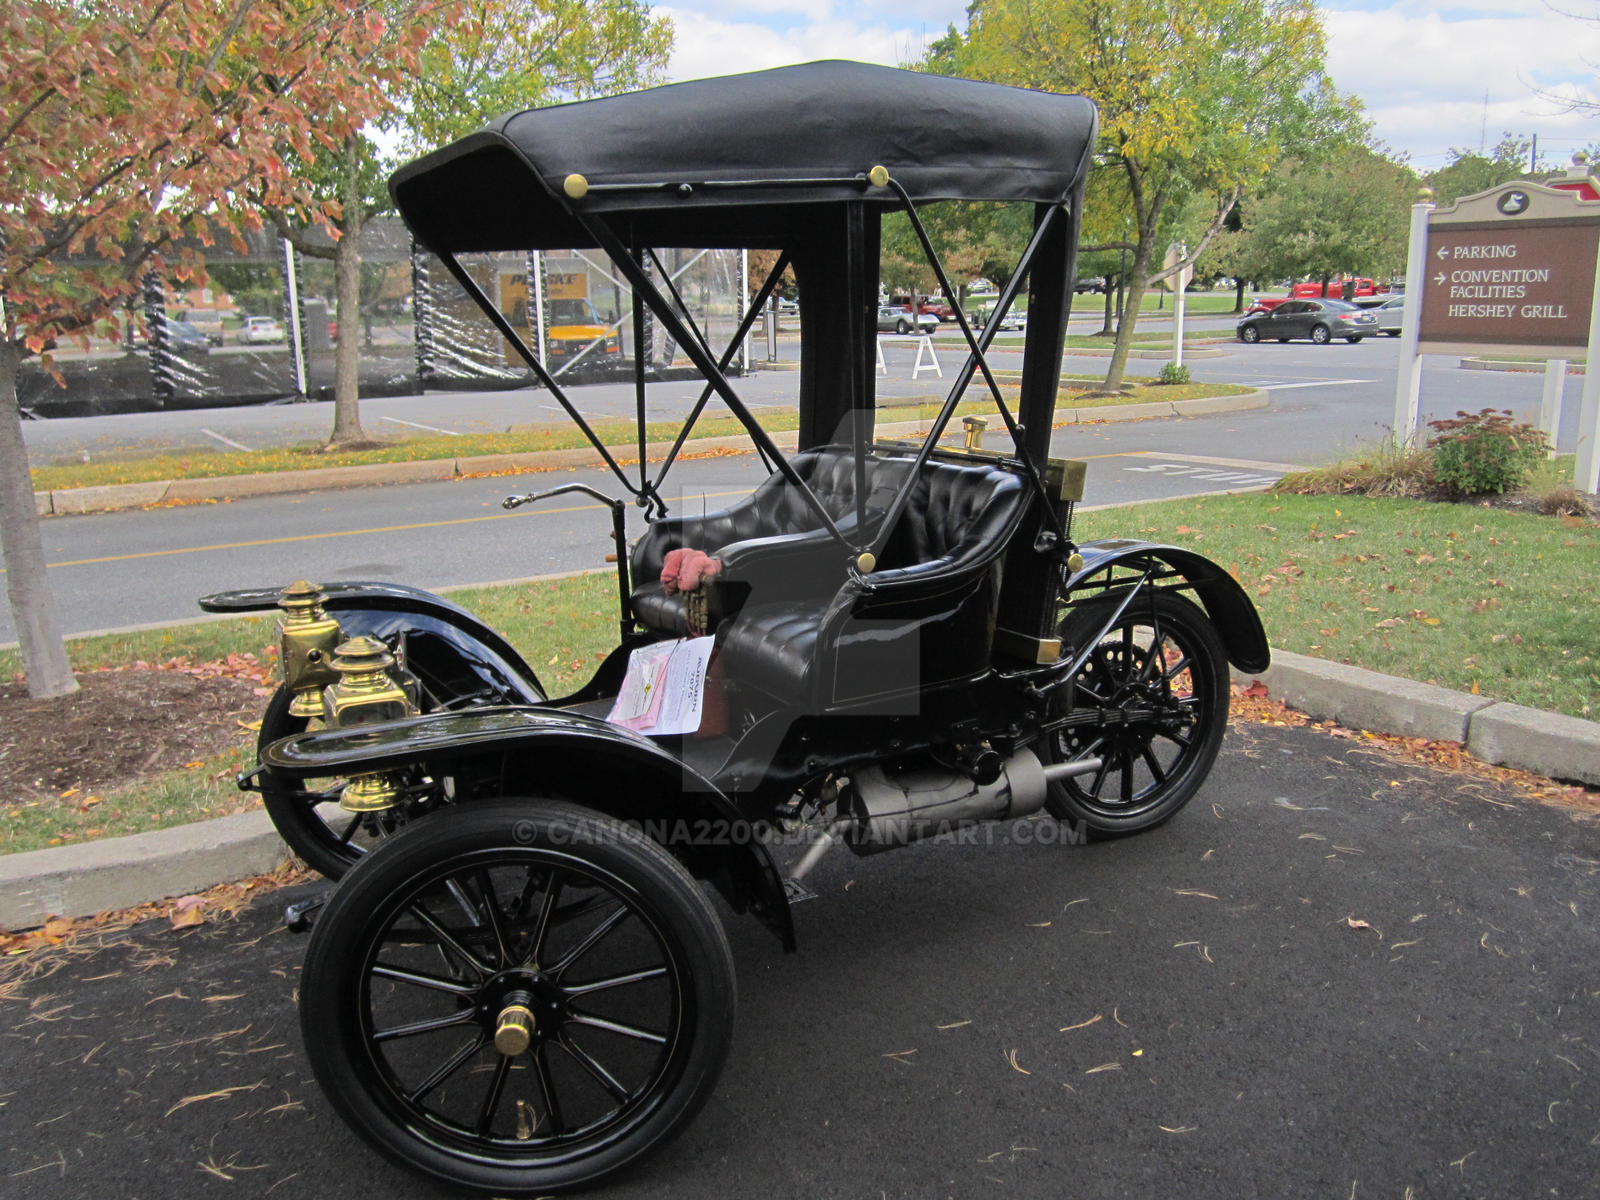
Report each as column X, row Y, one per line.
column 366, row 693
column 307, row 640
column 975, row 427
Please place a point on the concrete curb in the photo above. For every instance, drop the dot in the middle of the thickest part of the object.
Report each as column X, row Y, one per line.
column 115, row 497
column 1501, row 364
column 79, row 881
column 1507, row 735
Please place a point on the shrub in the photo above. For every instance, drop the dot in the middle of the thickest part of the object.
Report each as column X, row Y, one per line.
column 1172, row 373
column 1475, row 453
column 1563, row 500
column 1386, row 470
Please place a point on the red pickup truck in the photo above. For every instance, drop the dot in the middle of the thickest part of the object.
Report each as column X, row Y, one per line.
column 1337, row 288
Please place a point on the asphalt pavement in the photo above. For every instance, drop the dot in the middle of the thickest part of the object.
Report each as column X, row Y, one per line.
column 1333, row 975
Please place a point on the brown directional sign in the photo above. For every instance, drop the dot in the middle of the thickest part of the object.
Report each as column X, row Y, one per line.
column 1509, row 283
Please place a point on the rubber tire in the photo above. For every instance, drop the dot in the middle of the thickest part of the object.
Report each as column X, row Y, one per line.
column 1355, row 341
column 1392, row 332
column 330, row 984
column 902, row 327
column 1193, row 628
column 1320, row 335
column 1250, row 335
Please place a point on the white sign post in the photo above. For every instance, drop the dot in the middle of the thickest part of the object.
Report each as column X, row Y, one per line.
column 1176, row 253
column 1408, row 383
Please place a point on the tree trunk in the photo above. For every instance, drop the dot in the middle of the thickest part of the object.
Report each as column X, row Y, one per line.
column 347, row 277
column 1106, row 329
column 33, row 610
column 1238, row 294
column 1138, row 280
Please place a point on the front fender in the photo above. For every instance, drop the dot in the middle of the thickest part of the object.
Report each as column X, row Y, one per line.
column 1226, row 603
column 448, row 648
column 549, row 752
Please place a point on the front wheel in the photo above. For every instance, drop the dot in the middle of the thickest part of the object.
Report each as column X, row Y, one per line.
column 1150, row 702
column 521, row 998
column 1250, row 334
column 1320, row 335
column 324, row 836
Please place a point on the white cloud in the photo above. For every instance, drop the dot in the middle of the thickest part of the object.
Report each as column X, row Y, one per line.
column 707, row 45
column 1423, row 73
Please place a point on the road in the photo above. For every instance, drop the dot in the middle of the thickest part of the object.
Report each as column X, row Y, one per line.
column 128, row 568
column 1333, row 975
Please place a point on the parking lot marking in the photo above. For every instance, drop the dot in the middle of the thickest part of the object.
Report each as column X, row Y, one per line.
column 1239, row 479
column 225, row 441
column 1284, row 387
column 415, row 425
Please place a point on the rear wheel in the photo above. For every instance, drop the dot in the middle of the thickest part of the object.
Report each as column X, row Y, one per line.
column 1150, row 702
column 902, row 327
column 1392, row 332
column 1320, row 335
column 520, row 998
column 1354, row 340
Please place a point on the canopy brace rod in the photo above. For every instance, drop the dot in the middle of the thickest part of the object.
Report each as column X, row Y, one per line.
column 608, row 241
column 509, row 332
column 759, row 303
column 964, row 377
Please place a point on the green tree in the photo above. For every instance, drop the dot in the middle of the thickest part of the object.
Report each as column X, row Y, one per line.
column 1469, row 172
column 1347, row 214
column 128, row 129
column 1196, row 97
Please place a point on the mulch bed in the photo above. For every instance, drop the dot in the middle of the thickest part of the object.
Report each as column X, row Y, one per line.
column 119, row 726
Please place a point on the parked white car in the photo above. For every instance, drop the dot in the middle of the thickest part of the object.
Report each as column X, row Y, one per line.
column 256, row 330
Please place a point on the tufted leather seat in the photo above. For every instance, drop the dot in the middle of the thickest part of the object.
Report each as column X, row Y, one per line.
column 771, row 543
column 792, row 622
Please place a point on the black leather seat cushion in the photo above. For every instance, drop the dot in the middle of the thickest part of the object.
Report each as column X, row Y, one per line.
column 773, row 647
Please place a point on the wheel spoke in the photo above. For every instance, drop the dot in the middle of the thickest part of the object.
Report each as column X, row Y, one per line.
column 464, row 902
column 552, row 1107
column 633, row 1031
column 1172, row 673
column 1100, row 777
column 446, row 1069
column 423, row 980
column 1154, row 764
column 449, row 1020
column 1126, row 757
column 350, row 831
column 491, row 908
column 552, row 893
column 601, row 1076
column 491, row 1102
column 447, row 940
column 596, row 985
column 591, row 941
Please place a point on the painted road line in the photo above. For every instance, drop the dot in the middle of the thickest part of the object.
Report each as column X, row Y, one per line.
column 415, row 425
column 1206, row 460
column 1241, row 479
column 226, row 441
column 1284, row 387
column 344, row 533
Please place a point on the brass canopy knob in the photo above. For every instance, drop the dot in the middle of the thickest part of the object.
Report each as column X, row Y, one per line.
column 575, row 186
column 878, row 176
column 514, row 1030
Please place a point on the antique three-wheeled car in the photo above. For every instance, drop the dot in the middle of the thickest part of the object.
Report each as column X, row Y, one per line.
column 520, row 984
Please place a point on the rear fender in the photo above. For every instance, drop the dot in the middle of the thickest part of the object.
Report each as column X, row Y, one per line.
column 448, row 648
column 545, row 752
column 1225, row 602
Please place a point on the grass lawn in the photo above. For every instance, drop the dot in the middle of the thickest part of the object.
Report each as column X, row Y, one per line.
column 1472, row 598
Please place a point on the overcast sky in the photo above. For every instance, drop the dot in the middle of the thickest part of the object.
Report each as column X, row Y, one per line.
column 1423, row 69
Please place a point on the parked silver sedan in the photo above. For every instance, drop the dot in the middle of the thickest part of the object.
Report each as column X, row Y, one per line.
column 1319, row 320
column 1391, row 314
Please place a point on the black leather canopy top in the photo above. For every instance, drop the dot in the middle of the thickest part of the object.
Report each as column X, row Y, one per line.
column 941, row 138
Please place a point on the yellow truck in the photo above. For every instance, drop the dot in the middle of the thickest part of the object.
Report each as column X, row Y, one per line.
column 574, row 325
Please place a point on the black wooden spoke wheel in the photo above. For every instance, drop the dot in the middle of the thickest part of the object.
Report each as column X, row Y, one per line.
column 307, row 816
column 517, row 997
column 1151, row 702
